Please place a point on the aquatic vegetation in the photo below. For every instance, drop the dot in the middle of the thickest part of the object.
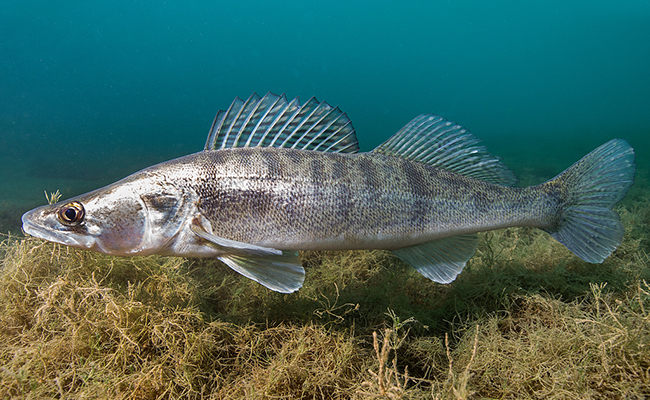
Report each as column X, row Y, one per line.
column 526, row 319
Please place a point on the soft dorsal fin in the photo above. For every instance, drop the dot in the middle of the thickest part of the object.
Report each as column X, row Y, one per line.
column 272, row 121
column 433, row 140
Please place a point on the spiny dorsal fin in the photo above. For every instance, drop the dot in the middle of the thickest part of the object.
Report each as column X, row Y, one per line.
column 272, row 121
column 433, row 140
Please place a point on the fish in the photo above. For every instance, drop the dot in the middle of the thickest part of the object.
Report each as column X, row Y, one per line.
column 276, row 177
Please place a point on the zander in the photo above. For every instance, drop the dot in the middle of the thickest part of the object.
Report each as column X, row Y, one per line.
column 276, row 177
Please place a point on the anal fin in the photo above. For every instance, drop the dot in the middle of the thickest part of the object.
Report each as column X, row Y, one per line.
column 440, row 260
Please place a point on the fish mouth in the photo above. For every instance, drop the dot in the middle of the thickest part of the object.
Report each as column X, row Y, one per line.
column 53, row 235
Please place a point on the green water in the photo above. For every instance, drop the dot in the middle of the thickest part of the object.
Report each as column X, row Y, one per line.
column 92, row 91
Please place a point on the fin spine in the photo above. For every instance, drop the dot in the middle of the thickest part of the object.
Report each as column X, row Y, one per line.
column 266, row 113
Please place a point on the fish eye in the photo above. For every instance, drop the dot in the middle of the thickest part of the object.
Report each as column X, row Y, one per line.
column 71, row 213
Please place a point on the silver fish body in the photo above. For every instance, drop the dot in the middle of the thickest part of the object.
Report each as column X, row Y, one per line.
column 304, row 200
column 277, row 177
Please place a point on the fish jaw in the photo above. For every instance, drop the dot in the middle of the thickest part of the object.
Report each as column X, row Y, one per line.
column 41, row 223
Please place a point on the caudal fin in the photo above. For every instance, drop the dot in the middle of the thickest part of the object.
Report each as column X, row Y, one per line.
column 592, row 186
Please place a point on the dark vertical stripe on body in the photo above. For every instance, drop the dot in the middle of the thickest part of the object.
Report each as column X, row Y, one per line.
column 416, row 180
column 367, row 170
column 480, row 201
column 273, row 163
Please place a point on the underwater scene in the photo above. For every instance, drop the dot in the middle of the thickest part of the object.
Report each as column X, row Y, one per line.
column 92, row 92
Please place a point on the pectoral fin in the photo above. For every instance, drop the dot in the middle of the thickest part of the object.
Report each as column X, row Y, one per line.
column 440, row 260
column 278, row 270
column 201, row 227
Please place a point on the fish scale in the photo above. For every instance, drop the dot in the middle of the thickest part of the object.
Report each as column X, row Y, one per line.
column 276, row 177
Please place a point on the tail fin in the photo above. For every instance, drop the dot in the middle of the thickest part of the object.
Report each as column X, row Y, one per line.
column 592, row 186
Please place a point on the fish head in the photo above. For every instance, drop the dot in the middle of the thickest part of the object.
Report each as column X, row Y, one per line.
column 130, row 217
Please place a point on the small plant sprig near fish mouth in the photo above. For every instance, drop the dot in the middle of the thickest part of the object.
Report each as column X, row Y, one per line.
column 53, row 197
